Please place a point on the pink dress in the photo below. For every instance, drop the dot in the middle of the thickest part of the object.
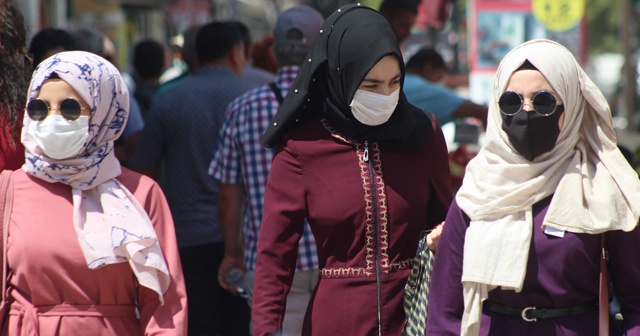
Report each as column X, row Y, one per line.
column 51, row 291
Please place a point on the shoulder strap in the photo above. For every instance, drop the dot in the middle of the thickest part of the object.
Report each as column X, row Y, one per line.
column 604, row 291
column 6, row 202
column 277, row 92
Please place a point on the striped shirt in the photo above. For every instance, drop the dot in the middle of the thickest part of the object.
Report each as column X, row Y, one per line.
column 239, row 158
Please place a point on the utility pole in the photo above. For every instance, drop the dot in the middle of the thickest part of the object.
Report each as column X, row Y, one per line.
column 629, row 69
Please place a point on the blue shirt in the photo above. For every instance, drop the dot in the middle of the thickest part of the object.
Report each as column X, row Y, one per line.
column 431, row 97
column 239, row 158
column 135, row 123
column 181, row 130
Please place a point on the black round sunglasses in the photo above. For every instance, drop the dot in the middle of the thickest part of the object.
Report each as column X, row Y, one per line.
column 544, row 103
column 69, row 108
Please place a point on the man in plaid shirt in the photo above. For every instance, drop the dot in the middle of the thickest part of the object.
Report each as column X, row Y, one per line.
column 242, row 165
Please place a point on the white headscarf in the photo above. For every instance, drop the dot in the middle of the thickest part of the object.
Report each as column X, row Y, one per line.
column 111, row 225
column 595, row 189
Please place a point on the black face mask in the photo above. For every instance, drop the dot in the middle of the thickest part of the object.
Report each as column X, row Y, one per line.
column 532, row 134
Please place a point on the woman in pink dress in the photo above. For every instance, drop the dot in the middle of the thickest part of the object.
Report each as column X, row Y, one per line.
column 91, row 248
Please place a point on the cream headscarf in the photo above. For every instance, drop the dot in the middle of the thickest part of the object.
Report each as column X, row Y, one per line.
column 595, row 190
column 111, row 225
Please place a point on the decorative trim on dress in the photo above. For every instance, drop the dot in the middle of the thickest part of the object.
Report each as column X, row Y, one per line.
column 382, row 215
column 361, row 272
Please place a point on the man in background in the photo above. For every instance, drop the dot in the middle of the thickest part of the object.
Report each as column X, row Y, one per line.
column 425, row 72
column 188, row 56
column 94, row 41
column 402, row 15
column 148, row 63
column 242, row 165
column 251, row 73
column 181, row 130
column 49, row 41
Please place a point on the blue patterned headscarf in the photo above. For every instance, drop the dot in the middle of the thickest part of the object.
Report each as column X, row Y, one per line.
column 101, row 86
column 111, row 225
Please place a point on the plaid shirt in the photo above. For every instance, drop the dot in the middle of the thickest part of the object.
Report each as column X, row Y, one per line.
column 239, row 158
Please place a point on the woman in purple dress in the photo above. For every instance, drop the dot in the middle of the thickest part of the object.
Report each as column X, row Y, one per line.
column 520, row 250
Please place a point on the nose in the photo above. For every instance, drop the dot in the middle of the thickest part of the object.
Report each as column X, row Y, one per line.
column 526, row 103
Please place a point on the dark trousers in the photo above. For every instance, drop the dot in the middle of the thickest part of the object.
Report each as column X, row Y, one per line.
column 212, row 310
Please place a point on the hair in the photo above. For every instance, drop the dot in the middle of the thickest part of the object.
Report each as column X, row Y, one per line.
column 425, row 56
column 215, row 40
column 393, row 7
column 15, row 68
column 527, row 66
column 48, row 39
column 244, row 33
column 189, row 54
column 89, row 39
column 148, row 59
column 287, row 55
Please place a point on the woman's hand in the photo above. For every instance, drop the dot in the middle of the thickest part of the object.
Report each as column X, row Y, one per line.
column 433, row 236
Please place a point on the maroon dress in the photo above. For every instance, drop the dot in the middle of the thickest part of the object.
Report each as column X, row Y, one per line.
column 366, row 216
column 561, row 273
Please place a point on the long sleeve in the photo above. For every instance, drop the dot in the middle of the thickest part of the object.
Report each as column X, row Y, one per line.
column 445, row 291
column 624, row 266
column 171, row 317
column 441, row 193
column 282, row 227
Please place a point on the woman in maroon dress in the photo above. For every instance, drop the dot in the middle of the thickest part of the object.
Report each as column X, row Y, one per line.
column 520, row 251
column 367, row 170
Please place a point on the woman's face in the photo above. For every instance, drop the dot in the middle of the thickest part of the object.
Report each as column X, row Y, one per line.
column 383, row 78
column 529, row 82
column 55, row 90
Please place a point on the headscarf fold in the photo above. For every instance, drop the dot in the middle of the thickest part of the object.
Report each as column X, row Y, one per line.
column 110, row 224
column 351, row 41
column 595, row 189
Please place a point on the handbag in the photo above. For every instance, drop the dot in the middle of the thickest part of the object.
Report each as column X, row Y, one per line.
column 6, row 202
column 416, row 292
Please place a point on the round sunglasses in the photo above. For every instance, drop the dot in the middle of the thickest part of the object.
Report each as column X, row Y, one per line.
column 69, row 108
column 544, row 103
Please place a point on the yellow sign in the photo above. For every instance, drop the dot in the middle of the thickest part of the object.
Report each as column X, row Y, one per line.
column 558, row 15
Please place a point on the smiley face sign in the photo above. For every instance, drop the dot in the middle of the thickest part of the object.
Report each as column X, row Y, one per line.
column 558, row 15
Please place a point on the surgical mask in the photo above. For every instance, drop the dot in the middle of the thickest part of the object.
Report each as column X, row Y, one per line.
column 532, row 134
column 373, row 109
column 59, row 138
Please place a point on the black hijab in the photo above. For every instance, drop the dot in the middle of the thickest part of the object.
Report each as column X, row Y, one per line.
column 351, row 41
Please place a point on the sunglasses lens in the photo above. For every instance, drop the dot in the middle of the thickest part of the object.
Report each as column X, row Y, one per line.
column 510, row 103
column 544, row 103
column 70, row 109
column 37, row 110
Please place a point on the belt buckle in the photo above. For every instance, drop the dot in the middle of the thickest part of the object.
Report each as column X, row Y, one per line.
column 524, row 314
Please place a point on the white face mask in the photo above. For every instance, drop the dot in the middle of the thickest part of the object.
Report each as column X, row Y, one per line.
column 373, row 109
column 59, row 138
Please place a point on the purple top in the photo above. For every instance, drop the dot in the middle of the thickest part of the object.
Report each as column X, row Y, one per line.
column 561, row 272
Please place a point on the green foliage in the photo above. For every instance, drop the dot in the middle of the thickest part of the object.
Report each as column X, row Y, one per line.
column 603, row 22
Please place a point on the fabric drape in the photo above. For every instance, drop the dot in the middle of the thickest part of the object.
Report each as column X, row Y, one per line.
column 595, row 190
column 111, row 225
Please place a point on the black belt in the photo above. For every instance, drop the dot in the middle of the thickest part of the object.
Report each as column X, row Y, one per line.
column 531, row 314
